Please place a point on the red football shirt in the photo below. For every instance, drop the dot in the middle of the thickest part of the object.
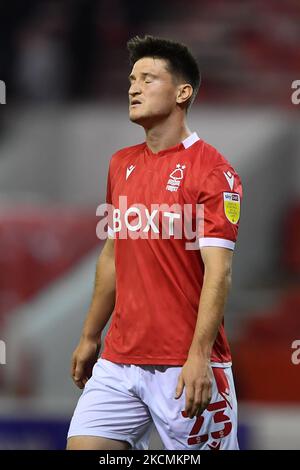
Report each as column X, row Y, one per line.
column 158, row 276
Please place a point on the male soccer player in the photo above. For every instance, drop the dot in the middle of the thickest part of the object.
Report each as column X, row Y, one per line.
column 166, row 359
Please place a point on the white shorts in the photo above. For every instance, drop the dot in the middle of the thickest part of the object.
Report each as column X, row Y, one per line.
column 122, row 401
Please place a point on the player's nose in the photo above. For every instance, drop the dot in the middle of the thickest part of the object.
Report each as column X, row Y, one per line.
column 134, row 90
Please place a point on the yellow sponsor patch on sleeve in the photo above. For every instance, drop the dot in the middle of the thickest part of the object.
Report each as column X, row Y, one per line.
column 232, row 207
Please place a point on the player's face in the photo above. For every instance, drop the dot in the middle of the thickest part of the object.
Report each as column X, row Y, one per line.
column 152, row 92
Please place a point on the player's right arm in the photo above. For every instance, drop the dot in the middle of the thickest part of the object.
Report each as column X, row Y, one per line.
column 102, row 305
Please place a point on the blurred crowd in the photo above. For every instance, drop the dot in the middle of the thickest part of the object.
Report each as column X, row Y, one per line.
column 60, row 51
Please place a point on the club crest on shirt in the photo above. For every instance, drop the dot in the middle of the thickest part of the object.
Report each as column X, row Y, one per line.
column 175, row 178
column 232, row 207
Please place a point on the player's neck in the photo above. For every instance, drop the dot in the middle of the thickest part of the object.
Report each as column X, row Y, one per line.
column 166, row 135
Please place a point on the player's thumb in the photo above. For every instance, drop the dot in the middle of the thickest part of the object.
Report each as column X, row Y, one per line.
column 179, row 388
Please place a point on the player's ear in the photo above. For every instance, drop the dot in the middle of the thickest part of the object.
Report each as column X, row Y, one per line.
column 184, row 93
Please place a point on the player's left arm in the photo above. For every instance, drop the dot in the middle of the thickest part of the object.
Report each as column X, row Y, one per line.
column 196, row 374
column 220, row 193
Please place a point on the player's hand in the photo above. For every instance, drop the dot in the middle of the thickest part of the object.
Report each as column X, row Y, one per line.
column 83, row 360
column 197, row 377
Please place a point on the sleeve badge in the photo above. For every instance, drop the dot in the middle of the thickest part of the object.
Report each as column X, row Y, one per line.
column 232, row 206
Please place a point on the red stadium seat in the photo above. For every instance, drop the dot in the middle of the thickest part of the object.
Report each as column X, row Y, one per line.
column 37, row 246
column 263, row 356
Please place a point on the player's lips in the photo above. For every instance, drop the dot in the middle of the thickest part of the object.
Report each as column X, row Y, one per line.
column 135, row 103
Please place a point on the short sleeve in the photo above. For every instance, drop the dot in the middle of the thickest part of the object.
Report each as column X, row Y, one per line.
column 220, row 196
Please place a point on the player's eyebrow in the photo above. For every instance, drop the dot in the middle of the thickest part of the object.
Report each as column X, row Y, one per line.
column 149, row 74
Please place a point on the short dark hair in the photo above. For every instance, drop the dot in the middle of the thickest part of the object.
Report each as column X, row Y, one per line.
column 181, row 62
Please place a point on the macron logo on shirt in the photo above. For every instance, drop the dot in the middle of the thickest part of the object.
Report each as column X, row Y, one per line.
column 129, row 170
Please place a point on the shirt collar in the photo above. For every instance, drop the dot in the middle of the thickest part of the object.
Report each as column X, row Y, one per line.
column 190, row 140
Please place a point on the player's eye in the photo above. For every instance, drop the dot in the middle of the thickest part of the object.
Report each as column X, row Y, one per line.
column 148, row 80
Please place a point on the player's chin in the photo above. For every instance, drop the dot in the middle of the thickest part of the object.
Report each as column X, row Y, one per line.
column 136, row 117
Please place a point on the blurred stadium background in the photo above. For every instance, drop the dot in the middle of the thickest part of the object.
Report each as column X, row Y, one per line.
column 65, row 67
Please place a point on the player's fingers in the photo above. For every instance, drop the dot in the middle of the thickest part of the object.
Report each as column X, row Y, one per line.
column 197, row 401
column 78, row 378
column 85, row 379
column 179, row 388
column 206, row 398
column 78, row 372
column 79, row 383
column 189, row 399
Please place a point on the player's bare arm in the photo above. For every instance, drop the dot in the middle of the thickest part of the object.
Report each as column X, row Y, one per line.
column 196, row 375
column 102, row 305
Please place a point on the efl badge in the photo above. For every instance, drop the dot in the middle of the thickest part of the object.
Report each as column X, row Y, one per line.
column 232, row 207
